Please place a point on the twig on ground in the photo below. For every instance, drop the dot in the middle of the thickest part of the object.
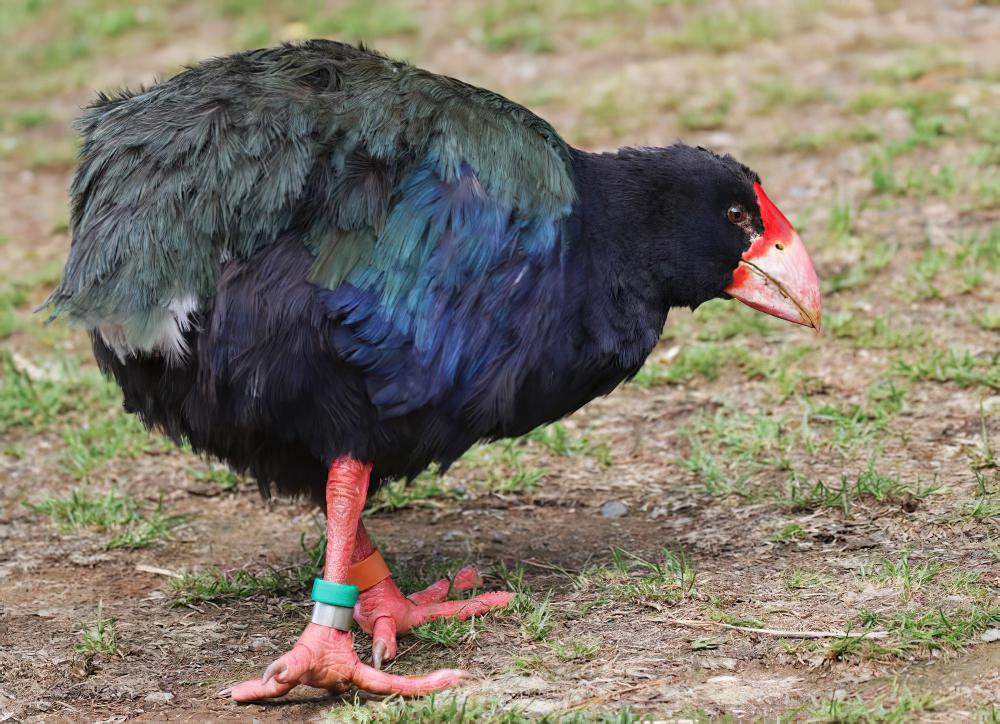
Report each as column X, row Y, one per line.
column 782, row 633
column 611, row 695
column 157, row 571
column 547, row 566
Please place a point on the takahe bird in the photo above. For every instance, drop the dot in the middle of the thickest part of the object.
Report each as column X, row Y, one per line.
column 331, row 269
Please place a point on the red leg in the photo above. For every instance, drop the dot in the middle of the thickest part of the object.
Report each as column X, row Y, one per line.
column 323, row 656
column 384, row 612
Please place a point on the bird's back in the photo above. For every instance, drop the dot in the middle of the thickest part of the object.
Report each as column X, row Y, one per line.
column 220, row 160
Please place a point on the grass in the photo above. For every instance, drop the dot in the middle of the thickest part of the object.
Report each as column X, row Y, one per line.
column 960, row 367
column 988, row 319
column 799, row 580
column 360, row 20
column 915, row 63
column 868, row 485
column 841, row 223
column 918, row 633
column 901, row 573
column 900, row 707
column 99, row 638
column 719, row 320
column 986, row 504
column 50, row 49
column 37, row 398
column 963, row 266
column 633, row 578
column 790, row 532
column 215, row 585
column 729, row 448
column 850, row 427
column 724, row 31
column 537, row 623
column 534, row 612
column 732, row 453
column 131, row 523
column 969, row 583
column 707, row 116
column 574, row 650
column 448, row 632
column 776, row 93
column 561, row 441
column 821, row 141
column 399, row 494
column 516, row 24
column 876, row 257
column 715, row 612
column 434, row 709
column 982, row 508
column 102, row 439
column 27, row 118
column 873, row 333
column 520, row 481
column 503, row 467
column 698, row 361
column 219, row 475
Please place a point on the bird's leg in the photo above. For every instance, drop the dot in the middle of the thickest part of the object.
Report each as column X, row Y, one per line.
column 324, row 656
column 383, row 611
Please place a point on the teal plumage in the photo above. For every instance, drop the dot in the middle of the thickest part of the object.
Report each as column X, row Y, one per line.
column 216, row 163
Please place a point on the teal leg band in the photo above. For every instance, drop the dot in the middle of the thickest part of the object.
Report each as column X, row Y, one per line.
column 334, row 594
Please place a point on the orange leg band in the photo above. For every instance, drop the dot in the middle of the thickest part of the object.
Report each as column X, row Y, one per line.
column 368, row 572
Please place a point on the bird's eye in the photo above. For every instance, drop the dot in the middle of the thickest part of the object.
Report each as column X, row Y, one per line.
column 736, row 214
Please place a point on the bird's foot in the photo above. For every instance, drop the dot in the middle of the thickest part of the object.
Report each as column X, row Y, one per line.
column 324, row 657
column 384, row 612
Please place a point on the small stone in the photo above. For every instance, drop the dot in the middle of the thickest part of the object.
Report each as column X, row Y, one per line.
column 614, row 509
column 159, row 697
column 717, row 663
column 991, row 634
column 259, row 642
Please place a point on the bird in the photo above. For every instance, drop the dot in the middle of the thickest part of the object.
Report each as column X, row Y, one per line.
column 331, row 269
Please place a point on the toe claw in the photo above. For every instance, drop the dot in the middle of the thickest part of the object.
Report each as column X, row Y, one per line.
column 273, row 669
column 378, row 654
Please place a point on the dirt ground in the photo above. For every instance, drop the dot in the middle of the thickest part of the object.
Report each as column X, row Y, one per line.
column 766, row 524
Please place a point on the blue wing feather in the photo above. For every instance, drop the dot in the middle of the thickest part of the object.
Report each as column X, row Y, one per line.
column 432, row 309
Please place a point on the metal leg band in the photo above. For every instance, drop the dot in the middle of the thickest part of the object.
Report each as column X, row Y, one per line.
column 338, row 617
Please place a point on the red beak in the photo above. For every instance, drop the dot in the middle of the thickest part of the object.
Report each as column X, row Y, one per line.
column 776, row 275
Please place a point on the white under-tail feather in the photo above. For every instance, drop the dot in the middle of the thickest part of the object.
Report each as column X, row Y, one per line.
column 164, row 335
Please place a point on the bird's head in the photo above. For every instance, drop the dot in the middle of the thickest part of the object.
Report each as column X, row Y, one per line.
column 705, row 225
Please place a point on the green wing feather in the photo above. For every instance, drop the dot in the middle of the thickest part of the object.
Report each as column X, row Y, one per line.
column 314, row 139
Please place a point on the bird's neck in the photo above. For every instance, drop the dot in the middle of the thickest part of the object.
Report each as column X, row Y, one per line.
column 623, row 301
